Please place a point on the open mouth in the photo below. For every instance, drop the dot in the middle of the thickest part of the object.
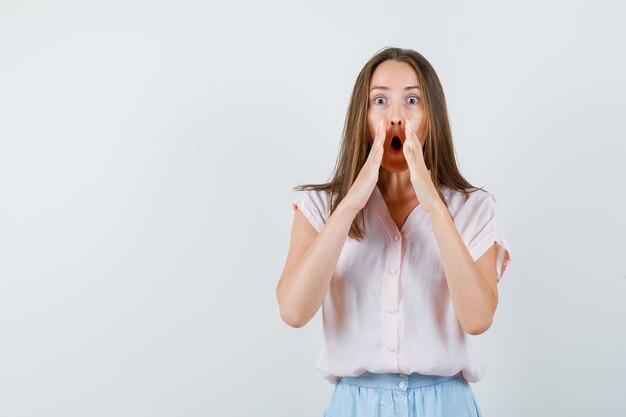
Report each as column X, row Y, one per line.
column 396, row 143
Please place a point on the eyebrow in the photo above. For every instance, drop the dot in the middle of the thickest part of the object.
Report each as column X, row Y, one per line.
column 382, row 87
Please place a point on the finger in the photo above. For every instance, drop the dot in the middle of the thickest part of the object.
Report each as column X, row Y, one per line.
column 380, row 136
column 407, row 150
column 377, row 146
column 418, row 145
column 409, row 143
column 377, row 135
column 410, row 133
column 381, row 130
column 410, row 160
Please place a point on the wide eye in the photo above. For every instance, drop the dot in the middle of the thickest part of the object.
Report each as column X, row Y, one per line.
column 378, row 98
column 416, row 99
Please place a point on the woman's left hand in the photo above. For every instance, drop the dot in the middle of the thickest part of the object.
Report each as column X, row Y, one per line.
column 420, row 175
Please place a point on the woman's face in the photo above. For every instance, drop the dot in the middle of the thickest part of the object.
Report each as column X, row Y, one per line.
column 395, row 97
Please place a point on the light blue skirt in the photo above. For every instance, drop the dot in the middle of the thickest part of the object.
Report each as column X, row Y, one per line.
column 400, row 395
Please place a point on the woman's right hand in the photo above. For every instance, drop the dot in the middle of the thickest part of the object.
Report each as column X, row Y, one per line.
column 360, row 191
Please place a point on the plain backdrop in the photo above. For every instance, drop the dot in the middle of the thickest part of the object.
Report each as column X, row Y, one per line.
column 148, row 151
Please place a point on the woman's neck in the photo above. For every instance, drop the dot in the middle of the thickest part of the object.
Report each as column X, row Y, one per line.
column 396, row 187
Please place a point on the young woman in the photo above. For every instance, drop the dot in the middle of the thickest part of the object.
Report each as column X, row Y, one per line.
column 403, row 254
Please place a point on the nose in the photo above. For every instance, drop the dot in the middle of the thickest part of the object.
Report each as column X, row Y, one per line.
column 396, row 121
column 396, row 118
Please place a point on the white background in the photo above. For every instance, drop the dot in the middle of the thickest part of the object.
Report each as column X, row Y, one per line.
column 148, row 152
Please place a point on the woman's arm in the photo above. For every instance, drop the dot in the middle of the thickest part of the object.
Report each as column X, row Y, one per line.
column 311, row 263
column 472, row 285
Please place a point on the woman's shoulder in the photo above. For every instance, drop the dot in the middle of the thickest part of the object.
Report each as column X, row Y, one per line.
column 459, row 202
column 314, row 204
column 320, row 198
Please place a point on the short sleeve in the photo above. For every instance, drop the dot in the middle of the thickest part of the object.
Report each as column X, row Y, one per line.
column 486, row 231
column 313, row 204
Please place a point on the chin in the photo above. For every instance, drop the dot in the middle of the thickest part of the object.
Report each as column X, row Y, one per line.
column 395, row 167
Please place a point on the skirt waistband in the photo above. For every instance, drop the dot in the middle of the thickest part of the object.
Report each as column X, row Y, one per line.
column 395, row 380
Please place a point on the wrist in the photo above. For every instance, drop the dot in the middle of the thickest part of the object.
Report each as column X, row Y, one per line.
column 346, row 206
column 438, row 210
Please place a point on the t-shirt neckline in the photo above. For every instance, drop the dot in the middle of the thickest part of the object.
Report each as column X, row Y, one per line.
column 382, row 211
